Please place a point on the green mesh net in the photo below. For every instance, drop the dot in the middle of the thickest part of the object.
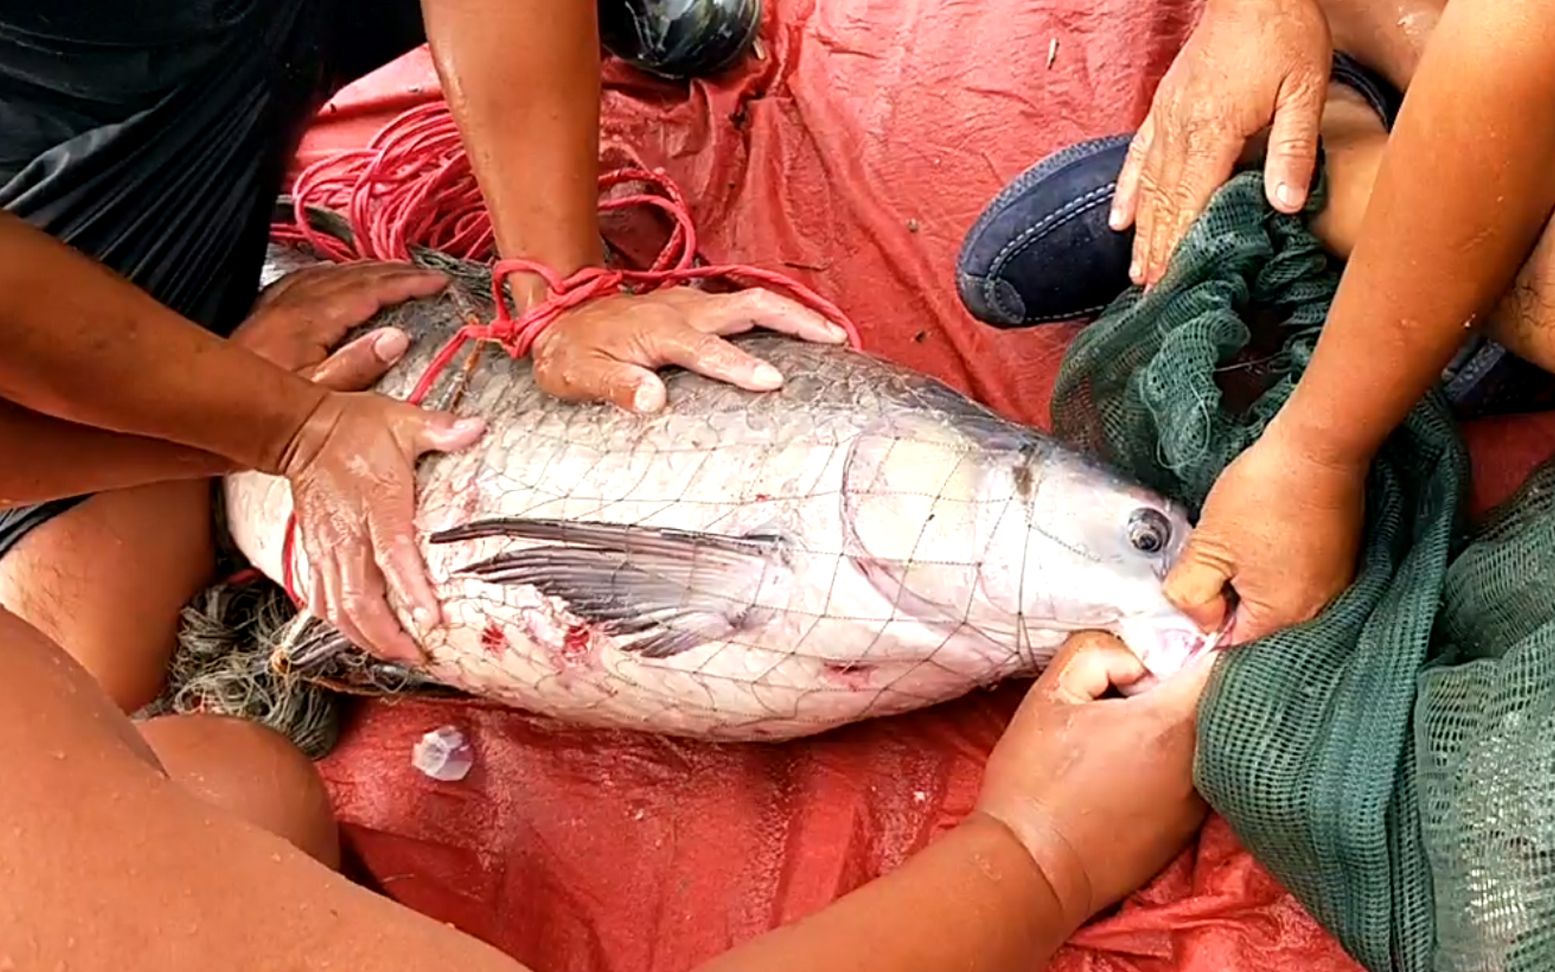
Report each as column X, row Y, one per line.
column 1393, row 761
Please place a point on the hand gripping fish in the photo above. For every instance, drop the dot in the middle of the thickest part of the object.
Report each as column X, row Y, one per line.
column 862, row 542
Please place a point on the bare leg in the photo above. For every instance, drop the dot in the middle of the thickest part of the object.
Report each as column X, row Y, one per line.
column 250, row 772
column 108, row 578
column 107, row 863
column 1387, row 36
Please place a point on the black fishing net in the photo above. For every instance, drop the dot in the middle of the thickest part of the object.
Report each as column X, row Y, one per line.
column 1393, row 761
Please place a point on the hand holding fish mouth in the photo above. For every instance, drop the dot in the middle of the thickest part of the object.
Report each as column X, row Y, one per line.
column 1098, row 790
column 1280, row 528
column 608, row 350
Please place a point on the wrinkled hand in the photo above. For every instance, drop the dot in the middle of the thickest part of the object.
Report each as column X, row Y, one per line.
column 1248, row 64
column 1282, row 529
column 300, row 317
column 607, row 350
column 1100, row 791
column 351, row 466
column 351, row 470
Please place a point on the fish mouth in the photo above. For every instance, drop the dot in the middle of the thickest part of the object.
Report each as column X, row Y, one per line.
column 1169, row 645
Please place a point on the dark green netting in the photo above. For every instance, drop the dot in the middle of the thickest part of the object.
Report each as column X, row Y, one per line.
column 1393, row 761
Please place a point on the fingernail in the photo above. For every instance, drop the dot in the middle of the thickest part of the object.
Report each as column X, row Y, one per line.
column 1135, row 272
column 836, row 331
column 1285, row 194
column 766, row 375
column 1115, row 219
column 467, row 426
column 646, row 398
column 390, row 345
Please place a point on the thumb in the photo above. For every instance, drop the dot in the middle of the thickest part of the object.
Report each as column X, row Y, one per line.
column 1249, row 622
column 1196, row 586
column 602, row 378
column 1292, row 152
column 1087, row 666
column 627, row 387
column 446, row 432
column 359, row 364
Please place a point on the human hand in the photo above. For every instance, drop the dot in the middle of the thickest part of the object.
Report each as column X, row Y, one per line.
column 351, row 465
column 1282, row 528
column 352, row 473
column 1248, row 64
column 1099, row 791
column 300, row 317
column 608, row 349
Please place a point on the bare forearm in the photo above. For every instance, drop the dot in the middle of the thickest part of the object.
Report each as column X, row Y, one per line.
column 522, row 78
column 48, row 458
column 971, row 900
column 81, row 344
column 1463, row 191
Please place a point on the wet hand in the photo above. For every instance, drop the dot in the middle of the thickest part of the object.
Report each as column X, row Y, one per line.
column 351, row 469
column 1248, row 65
column 1282, row 530
column 1098, row 790
column 300, row 317
column 608, row 350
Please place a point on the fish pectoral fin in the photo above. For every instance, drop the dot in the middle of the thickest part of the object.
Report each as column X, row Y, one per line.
column 656, row 591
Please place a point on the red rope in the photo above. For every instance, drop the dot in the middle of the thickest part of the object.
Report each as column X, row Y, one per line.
column 413, row 185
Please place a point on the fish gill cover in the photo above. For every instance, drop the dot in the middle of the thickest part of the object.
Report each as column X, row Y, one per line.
column 1393, row 761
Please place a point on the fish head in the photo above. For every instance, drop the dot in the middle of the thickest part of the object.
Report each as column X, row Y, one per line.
column 1010, row 538
column 1094, row 550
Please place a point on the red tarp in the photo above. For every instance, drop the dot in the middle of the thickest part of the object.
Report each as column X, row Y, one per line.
column 854, row 154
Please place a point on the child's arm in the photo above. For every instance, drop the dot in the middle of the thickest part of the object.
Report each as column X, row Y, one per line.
column 1083, row 801
column 1464, row 188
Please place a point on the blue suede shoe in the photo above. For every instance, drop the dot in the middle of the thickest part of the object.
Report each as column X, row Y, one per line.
column 1042, row 250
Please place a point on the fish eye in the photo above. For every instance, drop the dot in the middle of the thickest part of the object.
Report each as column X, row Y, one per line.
column 1149, row 531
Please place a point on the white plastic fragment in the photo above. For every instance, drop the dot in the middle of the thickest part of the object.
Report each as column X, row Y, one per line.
column 443, row 754
column 1052, row 51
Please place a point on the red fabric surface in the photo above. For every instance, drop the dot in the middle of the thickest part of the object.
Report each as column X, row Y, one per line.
column 854, row 154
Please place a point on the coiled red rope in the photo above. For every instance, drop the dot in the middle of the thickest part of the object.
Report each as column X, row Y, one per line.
column 413, row 186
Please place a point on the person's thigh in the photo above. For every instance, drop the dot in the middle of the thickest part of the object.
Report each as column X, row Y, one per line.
column 109, row 864
column 251, row 772
column 109, row 577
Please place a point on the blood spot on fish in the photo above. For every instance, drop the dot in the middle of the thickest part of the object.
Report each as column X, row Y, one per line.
column 763, row 498
column 851, row 676
column 494, row 639
column 575, row 644
column 469, row 502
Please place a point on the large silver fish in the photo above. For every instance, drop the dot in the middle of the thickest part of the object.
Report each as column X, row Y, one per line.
column 862, row 542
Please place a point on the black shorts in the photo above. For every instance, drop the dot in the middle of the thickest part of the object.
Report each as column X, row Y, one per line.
column 154, row 135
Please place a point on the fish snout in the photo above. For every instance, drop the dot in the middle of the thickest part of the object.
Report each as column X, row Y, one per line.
column 1167, row 644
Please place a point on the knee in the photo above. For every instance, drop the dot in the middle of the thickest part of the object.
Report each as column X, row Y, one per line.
column 250, row 771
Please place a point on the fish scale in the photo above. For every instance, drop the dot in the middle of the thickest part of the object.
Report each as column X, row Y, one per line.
column 861, row 542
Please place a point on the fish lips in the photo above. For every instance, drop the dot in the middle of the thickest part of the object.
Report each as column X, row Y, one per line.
column 1168, row 644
